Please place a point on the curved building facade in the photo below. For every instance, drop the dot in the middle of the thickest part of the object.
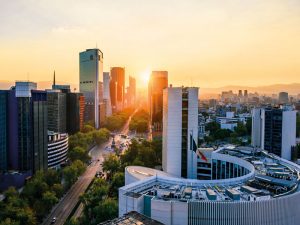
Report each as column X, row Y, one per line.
column 58, row 145
column 247, row 187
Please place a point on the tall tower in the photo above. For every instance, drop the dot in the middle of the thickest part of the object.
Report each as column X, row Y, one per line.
column 158, row 81
column 90, row 66
column 180, row 129
column 132, row 91
column 106, row 93
column 117, row 87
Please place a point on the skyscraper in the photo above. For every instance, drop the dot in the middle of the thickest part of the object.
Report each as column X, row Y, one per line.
column 158, row 81
column 117, row 87
column 180, row 131
column 3, row 130
column 27, row 128
column 91, row 67
column 106, row 93
column 75, row 112
column 57, row 111
column 274, row 130
column 131, row 91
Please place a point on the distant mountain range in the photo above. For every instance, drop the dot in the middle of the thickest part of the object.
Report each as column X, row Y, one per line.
column 292, row 89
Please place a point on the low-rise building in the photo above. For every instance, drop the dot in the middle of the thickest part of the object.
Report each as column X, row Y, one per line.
column 58, row 146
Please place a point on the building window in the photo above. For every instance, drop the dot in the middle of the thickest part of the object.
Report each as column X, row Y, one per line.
column 91, row 57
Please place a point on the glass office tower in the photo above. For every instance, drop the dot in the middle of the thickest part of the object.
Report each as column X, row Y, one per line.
column 3, row 129
column 90, row 66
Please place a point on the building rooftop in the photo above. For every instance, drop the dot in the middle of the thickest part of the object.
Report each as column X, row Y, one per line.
column 132, row 218
column 271, row 177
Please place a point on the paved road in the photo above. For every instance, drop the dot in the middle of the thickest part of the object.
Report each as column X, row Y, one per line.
column 64, row 208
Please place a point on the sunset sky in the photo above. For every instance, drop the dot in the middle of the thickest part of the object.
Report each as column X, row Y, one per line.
column 206, row 43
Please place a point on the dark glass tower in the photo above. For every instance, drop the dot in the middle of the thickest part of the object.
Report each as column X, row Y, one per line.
column 3, row 130
column 57, row 110
column 27, row 128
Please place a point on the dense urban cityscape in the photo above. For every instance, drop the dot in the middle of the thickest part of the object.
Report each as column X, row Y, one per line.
column 113, row 149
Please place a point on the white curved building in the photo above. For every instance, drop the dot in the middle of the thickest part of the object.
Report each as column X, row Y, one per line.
column 58, row 145
column 246, row 187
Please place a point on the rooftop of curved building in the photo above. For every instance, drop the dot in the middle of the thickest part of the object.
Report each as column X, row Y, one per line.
column 269, row 177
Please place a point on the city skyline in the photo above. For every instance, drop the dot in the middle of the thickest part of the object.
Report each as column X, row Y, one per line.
column 251, row 43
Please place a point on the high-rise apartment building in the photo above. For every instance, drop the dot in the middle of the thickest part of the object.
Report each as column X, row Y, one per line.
column 57, row 111
column 117, row 87
column 106, row 93
column 274, row 130
column 3, row 130
column 283, row 97
column 180, row 131
column 158, row 81
column 91, row 68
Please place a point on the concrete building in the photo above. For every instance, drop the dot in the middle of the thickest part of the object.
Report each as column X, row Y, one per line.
column 274, row 130
column 117, row 87
column 90, row 70
column 246, row 186
column 106, row 93
column 283, row 97
column 58, row 145
column 157, row 83
column 180, row 123
column 57, row 111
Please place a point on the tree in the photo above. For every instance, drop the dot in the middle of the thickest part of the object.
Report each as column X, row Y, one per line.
column 101, row 136
column 87, row 128
column 58, row 189
column 240, row 129
column 9, row 221
column 221, row 134
column 111, row 164
column 118, row 180
column 72, row 172
column 106, row 210
column 52, row 177
column 49, row 199
column 147, row 156
column 79, row 153
column 212, row 127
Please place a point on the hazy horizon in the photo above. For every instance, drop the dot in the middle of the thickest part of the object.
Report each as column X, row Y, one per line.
column 201, row 43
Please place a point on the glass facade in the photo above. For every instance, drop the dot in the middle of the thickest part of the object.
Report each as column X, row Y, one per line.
column 90, row 66
column 273, row 131
column 226, row 170
column 3, row 129
column 158, row 81
column 75, row 112
column 32, row 132
column 184, row 133
column 40, row 135
column 56, row 103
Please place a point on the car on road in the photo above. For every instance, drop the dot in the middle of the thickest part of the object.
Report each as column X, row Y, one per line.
column 53, row 220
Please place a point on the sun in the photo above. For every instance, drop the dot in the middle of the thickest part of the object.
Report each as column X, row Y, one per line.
column 145, row 76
